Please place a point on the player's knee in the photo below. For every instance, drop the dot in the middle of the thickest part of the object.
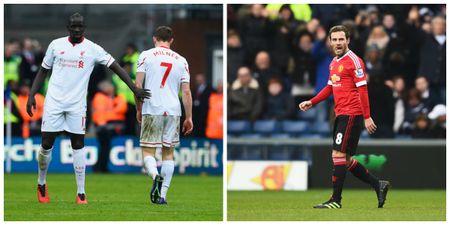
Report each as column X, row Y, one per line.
column 337, row 153
column 77, row 144
column 167, row 153
column 48, row 139
column 148, row 151
column 47, row 143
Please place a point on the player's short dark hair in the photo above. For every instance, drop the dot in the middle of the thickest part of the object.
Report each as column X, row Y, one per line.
column 163, row 33
column 74, row 17
column 339, row 28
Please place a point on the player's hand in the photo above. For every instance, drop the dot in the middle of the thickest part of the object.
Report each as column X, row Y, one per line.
column 305, row 105
column 187, row 126
column 142, row 93
column 139, row 116
column 370, row 125
column 31, row 105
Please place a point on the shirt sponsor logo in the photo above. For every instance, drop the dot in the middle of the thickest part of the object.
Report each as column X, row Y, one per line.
column 359, row 73
column 335, row 78
column 70, row 63
column 340, row 68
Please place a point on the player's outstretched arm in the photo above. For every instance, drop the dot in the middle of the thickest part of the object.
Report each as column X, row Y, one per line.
column 187, row 103
column 138, row 92
column 323, row 94
column 37, row 84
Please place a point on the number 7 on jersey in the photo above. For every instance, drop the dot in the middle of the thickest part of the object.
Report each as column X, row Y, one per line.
column 166, row 74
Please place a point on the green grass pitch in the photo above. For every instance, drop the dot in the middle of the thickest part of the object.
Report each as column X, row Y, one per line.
column 357, row 205
column 119, row 197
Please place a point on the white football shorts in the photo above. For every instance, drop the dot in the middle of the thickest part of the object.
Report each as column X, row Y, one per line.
column 158, row 131
column 55, row 120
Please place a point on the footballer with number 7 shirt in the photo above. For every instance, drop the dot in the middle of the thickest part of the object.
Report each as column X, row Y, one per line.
column 347, row 82
column 163, row 72
column 71, row 60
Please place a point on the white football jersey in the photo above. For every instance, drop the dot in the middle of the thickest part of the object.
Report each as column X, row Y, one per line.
column 71, row 65
column 164, row 70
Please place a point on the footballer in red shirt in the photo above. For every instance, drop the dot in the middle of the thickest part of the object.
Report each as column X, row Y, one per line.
column 348, row 83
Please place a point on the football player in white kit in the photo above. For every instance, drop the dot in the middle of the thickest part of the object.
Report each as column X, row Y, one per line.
column 71, row 60
column 163, row 72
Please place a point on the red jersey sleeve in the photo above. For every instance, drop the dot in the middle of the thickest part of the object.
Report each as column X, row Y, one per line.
column 360, row 80
column 323, row 94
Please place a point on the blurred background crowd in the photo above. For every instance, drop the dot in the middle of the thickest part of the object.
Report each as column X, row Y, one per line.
column 278, row 56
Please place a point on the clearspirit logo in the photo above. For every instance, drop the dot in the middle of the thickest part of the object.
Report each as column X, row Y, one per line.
column 372, row 162
column 273, row 177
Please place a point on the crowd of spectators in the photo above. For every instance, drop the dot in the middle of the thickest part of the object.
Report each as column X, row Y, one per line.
column 111, row 105
column 278, row 56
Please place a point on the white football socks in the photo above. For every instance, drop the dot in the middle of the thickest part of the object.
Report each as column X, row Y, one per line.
column 44, row 158
column 167, row 169
column 79, row 165
column 150, row 166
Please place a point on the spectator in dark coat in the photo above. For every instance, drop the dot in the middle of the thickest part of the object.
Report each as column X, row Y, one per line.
column 263, row 70
column 200, row 104
column 245, row 102
column 414, row 107
column 235, row 55
column 421, row 128
column 430, row 97
column 284, row 28
column 382, row 105
column 279, row 104
column 31, row 60
column 256, row 32
column 305, row 65
column 432, row 56
column 390, row 25
column 373, row 62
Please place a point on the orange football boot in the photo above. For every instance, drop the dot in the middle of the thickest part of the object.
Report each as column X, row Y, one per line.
column 43, row 194
column 81, row 199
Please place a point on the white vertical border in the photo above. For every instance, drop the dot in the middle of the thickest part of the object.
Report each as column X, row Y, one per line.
column 447, row 161
column 225, row 88
column 2, row 138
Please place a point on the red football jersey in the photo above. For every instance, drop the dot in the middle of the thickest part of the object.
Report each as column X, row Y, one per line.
column 347, row 73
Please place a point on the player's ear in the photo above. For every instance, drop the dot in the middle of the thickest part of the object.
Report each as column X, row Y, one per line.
column 171, row 41
column 154, row 40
